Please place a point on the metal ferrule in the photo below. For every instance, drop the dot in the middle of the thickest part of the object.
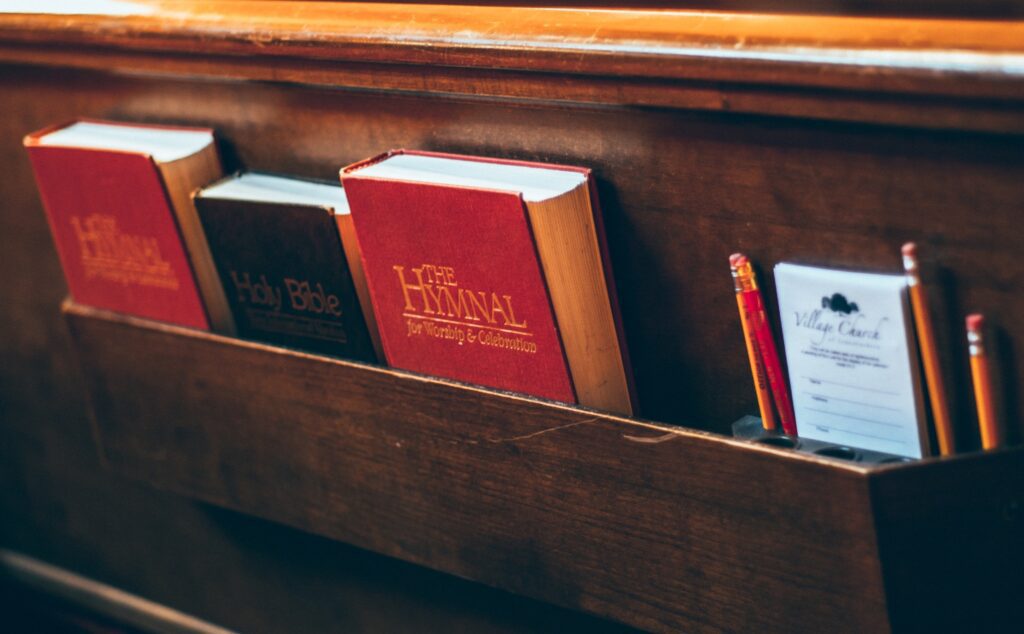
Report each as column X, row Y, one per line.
column 736, row 281
column 975, row 344
column 910, row 265
column 743, row 276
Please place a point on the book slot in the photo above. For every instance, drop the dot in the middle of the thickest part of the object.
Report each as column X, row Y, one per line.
column 456, row 477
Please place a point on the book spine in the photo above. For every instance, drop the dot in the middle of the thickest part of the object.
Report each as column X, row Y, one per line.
column 181, row 179
column 354, row 256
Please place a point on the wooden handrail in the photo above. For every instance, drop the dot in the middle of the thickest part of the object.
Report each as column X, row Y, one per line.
column 940, row 73
column 970, row 58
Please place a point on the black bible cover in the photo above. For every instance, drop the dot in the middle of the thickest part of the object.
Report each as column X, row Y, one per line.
column 285, row 275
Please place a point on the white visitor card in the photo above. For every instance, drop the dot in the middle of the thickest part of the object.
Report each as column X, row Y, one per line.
column 852, row 358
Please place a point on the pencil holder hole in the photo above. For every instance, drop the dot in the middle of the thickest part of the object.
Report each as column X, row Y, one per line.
column 844, row 453
column 778, row 441
column 895, row 459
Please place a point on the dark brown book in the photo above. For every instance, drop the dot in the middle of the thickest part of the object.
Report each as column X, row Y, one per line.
column 277, row 249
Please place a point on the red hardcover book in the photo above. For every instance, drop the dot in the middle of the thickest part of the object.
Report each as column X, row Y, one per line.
column 474, row 268
column 113, row 219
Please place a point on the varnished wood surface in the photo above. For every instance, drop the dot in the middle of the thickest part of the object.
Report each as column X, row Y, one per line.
column 657, row 527
column 952, row 543
column 660, row 528
column 942, row 73
column 896, row 8
column 58, row 503
column 679, row 191
column 681, row 186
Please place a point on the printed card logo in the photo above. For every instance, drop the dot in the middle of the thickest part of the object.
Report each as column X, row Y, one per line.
column 838, row 304
column 841, row 321
column 110, row 254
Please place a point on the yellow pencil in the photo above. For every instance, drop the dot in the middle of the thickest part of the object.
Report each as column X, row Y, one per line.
column 982, row 376
column 929, row 353
column 757, row 369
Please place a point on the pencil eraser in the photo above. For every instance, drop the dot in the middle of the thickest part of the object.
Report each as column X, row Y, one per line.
column 975, row 322
column 736, row 259
column 910, row 250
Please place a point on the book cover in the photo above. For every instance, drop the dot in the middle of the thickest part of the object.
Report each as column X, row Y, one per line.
column 852, row 358
column 285, row 275
column 457, row 285
column 116, row 233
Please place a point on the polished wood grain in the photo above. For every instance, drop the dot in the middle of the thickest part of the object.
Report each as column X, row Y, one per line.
column 680, row 191
column 704, row 140
column 57, row 502
column 943, row 73
column 657, row 527
column 895, row 8
column 951, row 536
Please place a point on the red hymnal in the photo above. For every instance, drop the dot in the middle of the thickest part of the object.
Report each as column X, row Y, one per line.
column 110, row 192
column 491, row 272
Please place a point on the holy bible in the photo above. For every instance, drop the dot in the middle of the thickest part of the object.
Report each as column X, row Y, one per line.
column 286, row 272
column 118, row 199
column 492, row 272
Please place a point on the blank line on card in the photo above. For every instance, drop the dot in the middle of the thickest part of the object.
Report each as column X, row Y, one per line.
column 866, row 420
column 846, row 400
column 852, row 387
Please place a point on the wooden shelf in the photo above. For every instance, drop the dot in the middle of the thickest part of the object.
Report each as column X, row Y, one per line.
column 651, row 525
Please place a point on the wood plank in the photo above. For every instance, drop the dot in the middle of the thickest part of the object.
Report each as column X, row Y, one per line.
column 653, row 526
column 833, row 105
column 895, row 8
column 951, row 535
column 825, row 67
